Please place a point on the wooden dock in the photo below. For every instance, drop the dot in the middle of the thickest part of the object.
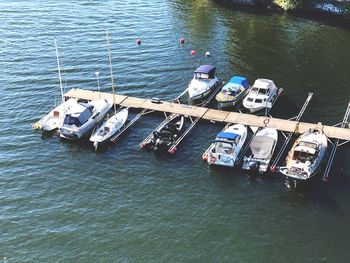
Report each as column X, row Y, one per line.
column 211, row 114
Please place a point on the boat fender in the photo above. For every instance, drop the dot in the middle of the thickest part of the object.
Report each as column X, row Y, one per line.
column 273, row 169
column 266, row 121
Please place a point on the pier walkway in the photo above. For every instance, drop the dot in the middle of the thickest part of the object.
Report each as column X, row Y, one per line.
column 211, row 114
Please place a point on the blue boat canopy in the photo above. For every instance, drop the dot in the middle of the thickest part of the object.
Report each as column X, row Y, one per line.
column 208, row 70
column 240, row 81
column 227, row 135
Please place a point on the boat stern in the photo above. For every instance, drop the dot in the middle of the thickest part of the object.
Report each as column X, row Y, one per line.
column 220, row 159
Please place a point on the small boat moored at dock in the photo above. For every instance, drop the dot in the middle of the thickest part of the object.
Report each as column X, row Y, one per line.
column 166, row 134
column 54, row 119
column 233, row 92
column 227, row 146
column 262, row 147
column 110, row 127
column 83, row 117
column 261, row 95
column 203, row 83
column 305, row 157
column 114, row 123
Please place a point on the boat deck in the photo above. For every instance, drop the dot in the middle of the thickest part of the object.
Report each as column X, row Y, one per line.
column 211, row 114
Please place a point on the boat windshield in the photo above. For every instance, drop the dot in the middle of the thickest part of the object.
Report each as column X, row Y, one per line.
column 261, row 91
column 201, row 76
column 308, row 144
column 224, row 147
column 303, row 156
column 70, row 120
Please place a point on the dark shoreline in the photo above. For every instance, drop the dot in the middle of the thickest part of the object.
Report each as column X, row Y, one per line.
column 257, row 7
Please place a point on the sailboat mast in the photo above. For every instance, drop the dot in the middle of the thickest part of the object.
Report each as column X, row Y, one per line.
column 59, row 70
column 110, row 67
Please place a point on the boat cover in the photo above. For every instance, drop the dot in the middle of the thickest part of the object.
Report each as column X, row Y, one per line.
column 264, row 84
column 240, row 81
column 206, row 69
column 227, row 135
column 261, row 146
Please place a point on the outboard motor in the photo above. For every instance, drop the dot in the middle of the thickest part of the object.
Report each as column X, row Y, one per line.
column 254, row 166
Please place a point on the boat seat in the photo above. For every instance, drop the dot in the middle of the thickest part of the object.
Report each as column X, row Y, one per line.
column 228, row 150
column 170, row 127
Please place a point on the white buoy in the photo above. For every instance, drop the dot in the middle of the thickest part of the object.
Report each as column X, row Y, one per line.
column 207, row 54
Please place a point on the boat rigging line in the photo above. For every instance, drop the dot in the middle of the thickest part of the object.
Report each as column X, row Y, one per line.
column 336, row 144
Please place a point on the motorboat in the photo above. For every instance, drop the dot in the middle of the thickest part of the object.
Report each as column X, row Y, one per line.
column 305, row 157
column 204, row 82
column 167, row 133
column 104, row 132
column 262, row 146
column 233, row 92
column 80, row 119
column 261, row 95
column 227, row 146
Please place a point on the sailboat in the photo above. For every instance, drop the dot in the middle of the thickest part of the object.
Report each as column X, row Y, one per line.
column 54, row 119
column 114, row 123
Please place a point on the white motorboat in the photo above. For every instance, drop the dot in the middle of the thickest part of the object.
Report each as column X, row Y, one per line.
column 261, row 95
column 54, row 119
column 233, row 92
column 227, row 146
column 262, row 147
column 110, row 127
column 203, row 83
column 305, row 157
column 83, row 117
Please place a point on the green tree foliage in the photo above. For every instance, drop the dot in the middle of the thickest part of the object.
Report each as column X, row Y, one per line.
column 287, row 4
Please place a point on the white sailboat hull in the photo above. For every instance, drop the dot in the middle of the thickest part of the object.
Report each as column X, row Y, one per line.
column 54, row 119
column 109, row 128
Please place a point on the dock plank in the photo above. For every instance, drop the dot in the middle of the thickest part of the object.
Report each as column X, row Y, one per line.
column 215, row 115
column 176, row 108
column 133, row 102
column 93, row 95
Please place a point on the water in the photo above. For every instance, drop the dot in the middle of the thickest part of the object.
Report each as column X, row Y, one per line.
column 61, row 202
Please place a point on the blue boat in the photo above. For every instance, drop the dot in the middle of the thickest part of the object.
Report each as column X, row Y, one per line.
column 233, row 92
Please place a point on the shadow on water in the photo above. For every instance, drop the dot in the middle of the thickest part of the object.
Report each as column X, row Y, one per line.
column 315, row 193
column 329, row 19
